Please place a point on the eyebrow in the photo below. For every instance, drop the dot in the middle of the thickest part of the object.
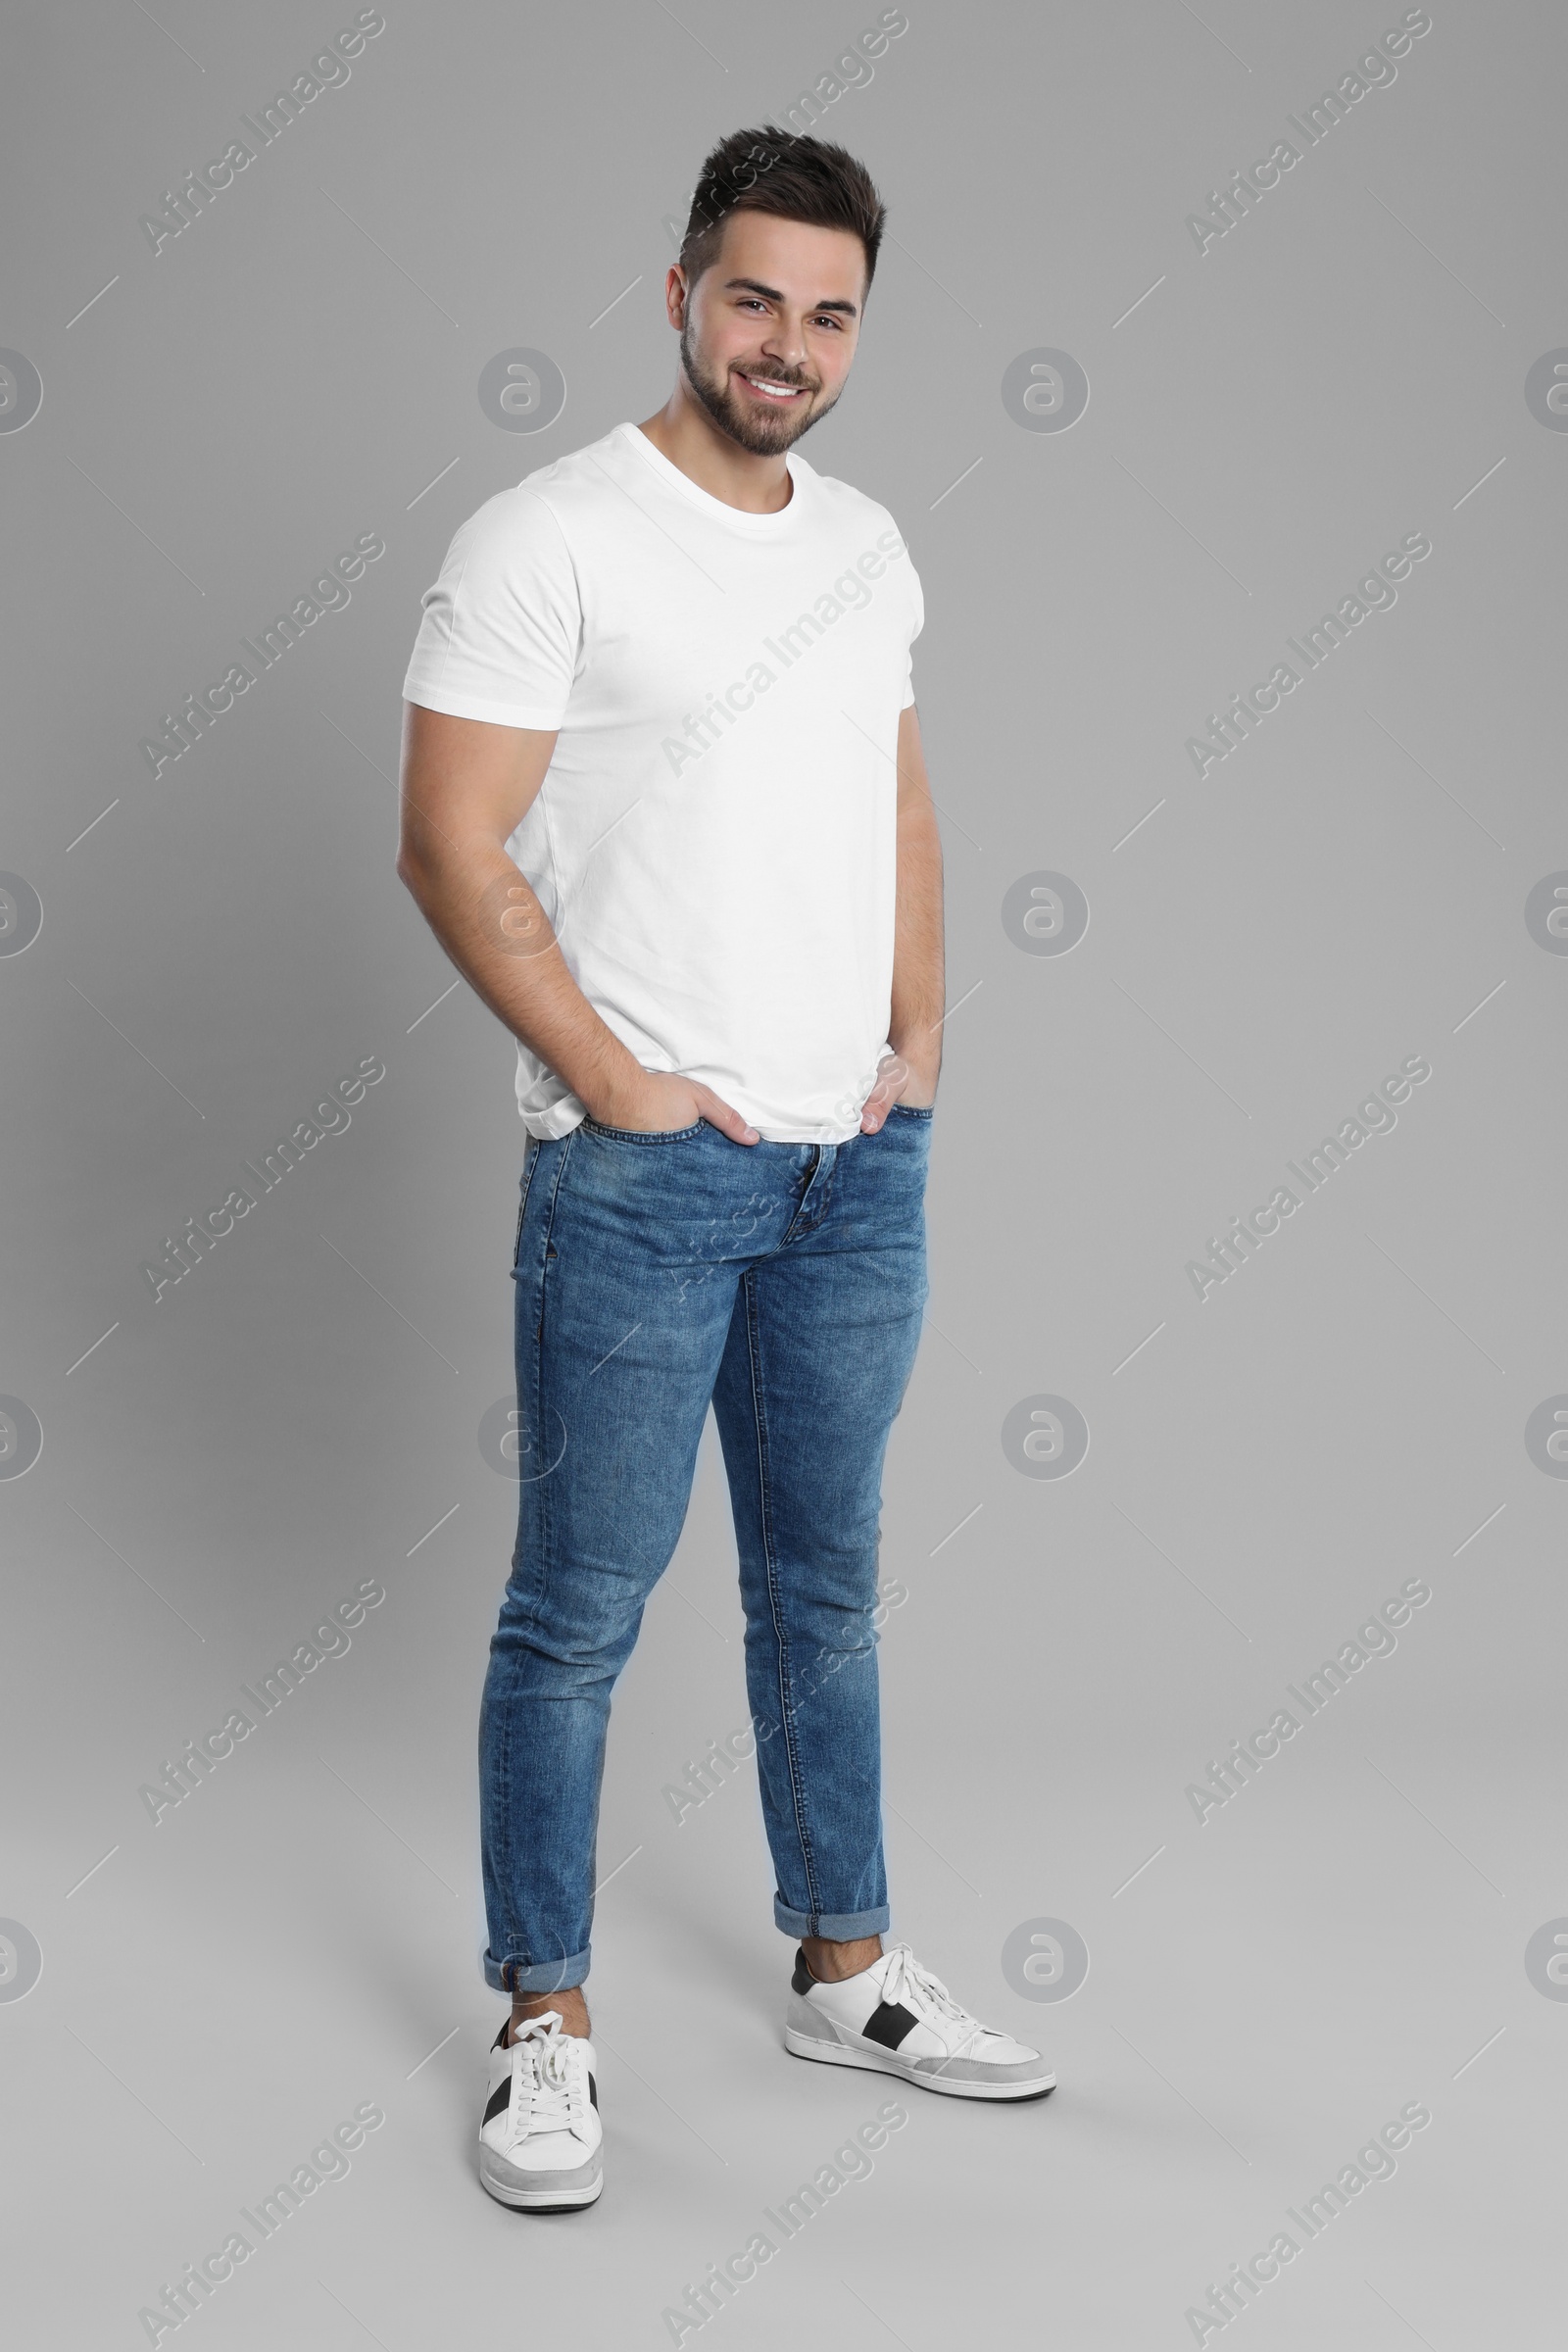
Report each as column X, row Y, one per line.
column 753, row 285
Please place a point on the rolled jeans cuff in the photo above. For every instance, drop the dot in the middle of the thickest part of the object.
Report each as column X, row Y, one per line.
column 835, row 1927
column 516, row 1975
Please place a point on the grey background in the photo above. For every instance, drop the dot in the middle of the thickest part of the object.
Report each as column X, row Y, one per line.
column 294, row 370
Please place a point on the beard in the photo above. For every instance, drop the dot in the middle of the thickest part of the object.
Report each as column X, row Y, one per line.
column 762, row 435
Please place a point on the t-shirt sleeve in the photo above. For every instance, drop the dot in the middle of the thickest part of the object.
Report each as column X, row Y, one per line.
column 502, row 625
column 916, row 624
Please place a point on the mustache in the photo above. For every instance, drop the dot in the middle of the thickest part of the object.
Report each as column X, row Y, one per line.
column 796, row 382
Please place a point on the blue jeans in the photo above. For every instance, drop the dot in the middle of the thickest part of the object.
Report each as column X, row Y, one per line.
column 657, row 1274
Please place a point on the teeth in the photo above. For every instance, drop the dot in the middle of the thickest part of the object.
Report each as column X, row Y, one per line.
column 760, row 383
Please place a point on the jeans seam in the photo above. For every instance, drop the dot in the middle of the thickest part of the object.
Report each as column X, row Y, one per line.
column 545, row 1528
column 546, row 1518
column 530, row 1162
column 786, row 1720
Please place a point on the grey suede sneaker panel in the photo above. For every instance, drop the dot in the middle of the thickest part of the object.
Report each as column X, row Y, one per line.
column 512, row 2176
column 976, row 2070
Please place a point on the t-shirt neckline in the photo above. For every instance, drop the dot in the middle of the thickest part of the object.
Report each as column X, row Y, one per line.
column 719, row 510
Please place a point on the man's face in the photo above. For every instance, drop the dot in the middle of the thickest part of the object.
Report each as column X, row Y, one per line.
column 770, row 328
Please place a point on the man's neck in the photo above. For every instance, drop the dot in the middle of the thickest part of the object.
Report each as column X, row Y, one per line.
column 685, row 434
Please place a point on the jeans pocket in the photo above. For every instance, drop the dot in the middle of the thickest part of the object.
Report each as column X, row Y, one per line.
column 912, row 1110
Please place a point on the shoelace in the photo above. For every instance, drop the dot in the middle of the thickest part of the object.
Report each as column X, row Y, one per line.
column 548, row 2076
column 905, row 1977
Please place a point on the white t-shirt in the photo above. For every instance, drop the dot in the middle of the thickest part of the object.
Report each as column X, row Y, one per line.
column 714, row 841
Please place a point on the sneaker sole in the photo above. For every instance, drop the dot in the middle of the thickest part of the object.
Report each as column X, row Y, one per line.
column 544, row 2200
column 835, row 2053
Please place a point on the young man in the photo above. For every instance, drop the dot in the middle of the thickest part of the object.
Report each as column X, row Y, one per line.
column 665, row 806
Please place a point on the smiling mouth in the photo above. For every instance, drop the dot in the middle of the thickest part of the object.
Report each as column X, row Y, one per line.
column 771, row 389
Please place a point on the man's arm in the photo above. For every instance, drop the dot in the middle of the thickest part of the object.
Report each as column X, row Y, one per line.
column 466, row 786
column 915, row 1029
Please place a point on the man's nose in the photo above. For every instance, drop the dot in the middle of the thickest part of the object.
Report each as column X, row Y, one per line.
column 787, row 343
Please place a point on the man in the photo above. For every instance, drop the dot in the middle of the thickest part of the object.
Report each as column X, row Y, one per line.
column 665, row 809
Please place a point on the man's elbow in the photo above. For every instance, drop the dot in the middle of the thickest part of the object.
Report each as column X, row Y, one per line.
column 412, row 870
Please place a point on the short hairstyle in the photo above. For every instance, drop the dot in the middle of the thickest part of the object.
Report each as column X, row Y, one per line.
column 789, row 174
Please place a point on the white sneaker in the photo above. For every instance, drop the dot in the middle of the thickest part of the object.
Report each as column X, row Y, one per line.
column 540, row 2140
column 896, row 2019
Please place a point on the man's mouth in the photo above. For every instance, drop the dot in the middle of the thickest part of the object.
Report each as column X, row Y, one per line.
column 770, row 388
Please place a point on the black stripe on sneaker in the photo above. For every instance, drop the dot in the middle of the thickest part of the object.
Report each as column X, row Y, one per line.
column 802, row 1978
column 499, row 2098
column 500, row 2041
column 593, row 2091
column 888, row 2023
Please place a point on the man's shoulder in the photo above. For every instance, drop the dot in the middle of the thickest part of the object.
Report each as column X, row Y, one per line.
column 597, row 466
column 850, row 509
column 563, row 488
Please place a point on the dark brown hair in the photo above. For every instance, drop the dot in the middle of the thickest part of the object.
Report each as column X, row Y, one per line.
column 789, row 174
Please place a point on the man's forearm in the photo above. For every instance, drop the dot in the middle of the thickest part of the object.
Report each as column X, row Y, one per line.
column 490, row 923
column 915, row 1028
